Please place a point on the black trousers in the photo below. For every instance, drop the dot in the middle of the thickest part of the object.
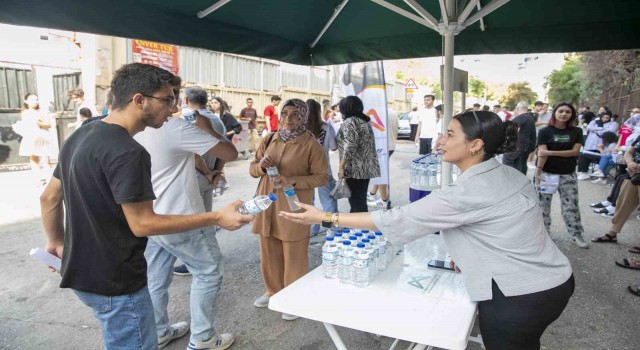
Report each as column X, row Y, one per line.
column 517, row 323
column 358, row 200
column 414, row 131
column 517, row 160
column 615, row 190
column 584, row 159
column 425, row 146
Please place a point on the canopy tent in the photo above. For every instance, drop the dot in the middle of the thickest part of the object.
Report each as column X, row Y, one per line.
column 327, row 32
column 364, row 30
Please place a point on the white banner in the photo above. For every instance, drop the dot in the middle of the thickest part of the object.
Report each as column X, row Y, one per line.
column 366, row 80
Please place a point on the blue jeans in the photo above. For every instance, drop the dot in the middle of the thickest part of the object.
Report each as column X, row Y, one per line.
column 328, row 203
column 127, row 321
column 606, row 161
column 199, row 250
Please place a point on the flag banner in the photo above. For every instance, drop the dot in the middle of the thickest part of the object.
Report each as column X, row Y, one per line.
column 366, row 80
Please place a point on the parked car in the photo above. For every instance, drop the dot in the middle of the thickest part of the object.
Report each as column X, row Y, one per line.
column 404, row 129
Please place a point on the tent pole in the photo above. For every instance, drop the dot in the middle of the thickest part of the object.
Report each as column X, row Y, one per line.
column 447, row 95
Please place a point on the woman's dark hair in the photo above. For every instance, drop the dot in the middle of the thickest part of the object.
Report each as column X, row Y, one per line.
column 25, row 105
column 85, row 112
column 498, row 136
column 351, row 106
column 574, row 114
column 609, row 138
column 587, row 117
column 315, row 122
column 222, row 105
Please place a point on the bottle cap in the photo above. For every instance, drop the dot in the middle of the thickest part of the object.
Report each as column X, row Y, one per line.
column 272, row 197
column 338, row 234
column 364, row 231
column 346, row 230
column 358, row 234
column 330, row 239
column 378, row 233
column 346, row 242
column 365, row 240
column 353, row 238
column 371, row 237
column 360, row 245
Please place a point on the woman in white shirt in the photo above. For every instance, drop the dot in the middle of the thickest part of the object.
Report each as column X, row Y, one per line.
column 492, row 224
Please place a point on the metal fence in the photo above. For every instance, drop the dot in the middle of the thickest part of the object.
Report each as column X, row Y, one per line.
column 14, row 84
column 620, row 100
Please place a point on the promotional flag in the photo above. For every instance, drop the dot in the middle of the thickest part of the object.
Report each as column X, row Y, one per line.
column 366, row 80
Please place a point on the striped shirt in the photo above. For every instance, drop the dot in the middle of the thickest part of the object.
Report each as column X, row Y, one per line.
column 491, row 222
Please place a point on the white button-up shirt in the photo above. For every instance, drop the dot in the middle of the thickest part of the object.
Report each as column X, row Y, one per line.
column 491, row 222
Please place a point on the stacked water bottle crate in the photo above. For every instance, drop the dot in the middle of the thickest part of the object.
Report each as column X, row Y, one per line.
column 426, row 172
column 355, row 256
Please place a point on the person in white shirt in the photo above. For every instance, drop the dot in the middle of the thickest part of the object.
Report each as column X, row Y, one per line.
column 383, row 201
column 414, row 120
column 77, row 96
column 173, row 174
column 427, row 126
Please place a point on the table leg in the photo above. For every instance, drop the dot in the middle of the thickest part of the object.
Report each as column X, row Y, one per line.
column 422, row 347
column 335, row 336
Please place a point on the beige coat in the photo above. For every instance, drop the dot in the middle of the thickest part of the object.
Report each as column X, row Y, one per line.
column 303, row 159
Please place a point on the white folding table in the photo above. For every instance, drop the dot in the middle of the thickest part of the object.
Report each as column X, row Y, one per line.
column 408, row 301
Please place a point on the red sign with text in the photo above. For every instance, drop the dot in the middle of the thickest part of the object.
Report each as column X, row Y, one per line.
column 160, row 55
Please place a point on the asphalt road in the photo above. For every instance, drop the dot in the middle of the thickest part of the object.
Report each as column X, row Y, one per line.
column 36, row 314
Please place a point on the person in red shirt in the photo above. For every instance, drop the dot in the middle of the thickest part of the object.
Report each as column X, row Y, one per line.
column 507, row 115
column 271, row 114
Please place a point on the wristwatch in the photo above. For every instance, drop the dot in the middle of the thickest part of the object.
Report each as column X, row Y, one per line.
column 326, row 221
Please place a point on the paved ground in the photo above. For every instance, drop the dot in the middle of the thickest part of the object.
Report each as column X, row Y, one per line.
column 36, row 314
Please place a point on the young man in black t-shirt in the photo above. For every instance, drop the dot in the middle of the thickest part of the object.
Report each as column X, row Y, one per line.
column 103, row 178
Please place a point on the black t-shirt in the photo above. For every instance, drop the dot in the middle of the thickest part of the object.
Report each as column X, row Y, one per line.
column 560, row 140
column 100, row 167
column 526, row 132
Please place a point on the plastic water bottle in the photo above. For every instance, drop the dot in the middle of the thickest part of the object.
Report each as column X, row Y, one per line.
column 257, row 205
column 383, row 253
column 345, row 263
column 354, row 240
column 272, row 172
column 433, row 175
column 358, row 236
column 189, row 114
column 376, row 251
column 337, row 237
column 346, row 233
column 330, row 259
column 292, row 198
column 361, row 267
column 219, row 190
column 372, row 261
column 413, row 183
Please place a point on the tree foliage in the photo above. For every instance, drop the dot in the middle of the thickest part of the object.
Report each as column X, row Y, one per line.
column 565, row 84
column 516, row 92
column 436, row 90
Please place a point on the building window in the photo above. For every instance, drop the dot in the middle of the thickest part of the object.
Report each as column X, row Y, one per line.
column 14, row 84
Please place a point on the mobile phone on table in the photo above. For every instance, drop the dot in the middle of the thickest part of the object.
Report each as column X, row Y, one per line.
column 440, row 264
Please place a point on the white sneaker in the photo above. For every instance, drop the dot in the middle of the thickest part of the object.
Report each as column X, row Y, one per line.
column 289, row 317
column 177, row 330
column 597, row 173
column 217, row 342
column 261, row 302
column 599, row 181
column 579, row 241
column 371, row 197
column 378, row 203
column 583, row 176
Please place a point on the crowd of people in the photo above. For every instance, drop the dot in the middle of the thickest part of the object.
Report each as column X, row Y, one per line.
column 157, row 158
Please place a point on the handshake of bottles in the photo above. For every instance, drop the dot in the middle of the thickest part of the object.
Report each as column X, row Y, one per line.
column 355, row 256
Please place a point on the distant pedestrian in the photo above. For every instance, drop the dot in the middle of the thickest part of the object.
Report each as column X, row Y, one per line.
column 414, row 120
column 271, row 115
column 77, row 96
column 427, row 125
column 36, row 141
column 250, row 114
column 526, row 139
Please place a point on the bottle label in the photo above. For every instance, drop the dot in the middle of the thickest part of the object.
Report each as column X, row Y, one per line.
column 346, row 260
column 290, row 192
column 272, row 171
column 252, row 207
column 360, row 263
column 329, row 256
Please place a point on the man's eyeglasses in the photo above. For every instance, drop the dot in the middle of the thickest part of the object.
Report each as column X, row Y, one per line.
column 170, row 101
column 479, row 124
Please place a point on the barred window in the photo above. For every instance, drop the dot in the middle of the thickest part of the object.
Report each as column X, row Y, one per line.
column 14, row 84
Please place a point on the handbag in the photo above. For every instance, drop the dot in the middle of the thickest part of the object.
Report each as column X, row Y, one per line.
column 341, row 190
column 635, row 179
column 549, row 183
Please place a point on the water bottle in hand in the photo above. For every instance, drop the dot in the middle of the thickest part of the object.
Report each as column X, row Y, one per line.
column 292, row 198
column 330, row 259
column 219, row 190
column 257, row 205
column 272, row 172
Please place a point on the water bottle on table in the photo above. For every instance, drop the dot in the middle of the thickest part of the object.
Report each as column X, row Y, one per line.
column 361, row 266
column 383, row 252
column 345, row 263
column 330, row 259
column 292, row 198
column 372, row 259
column 257, row 205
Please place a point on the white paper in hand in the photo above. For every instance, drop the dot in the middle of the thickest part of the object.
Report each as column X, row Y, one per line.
column 46, row 258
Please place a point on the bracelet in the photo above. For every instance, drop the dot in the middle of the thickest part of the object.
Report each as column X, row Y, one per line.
column 335, row 220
